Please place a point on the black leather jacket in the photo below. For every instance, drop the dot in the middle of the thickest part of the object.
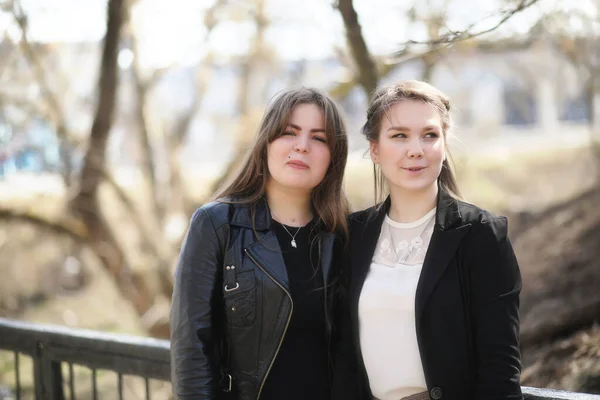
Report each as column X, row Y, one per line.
column 231, row 303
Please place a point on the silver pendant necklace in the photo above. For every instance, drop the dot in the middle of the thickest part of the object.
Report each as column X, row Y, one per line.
column 293, row 242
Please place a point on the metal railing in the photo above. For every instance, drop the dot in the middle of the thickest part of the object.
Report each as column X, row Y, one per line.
column 52, row 346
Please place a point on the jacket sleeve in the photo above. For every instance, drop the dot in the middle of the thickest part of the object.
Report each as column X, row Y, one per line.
column 192, row 369
column 495, row 289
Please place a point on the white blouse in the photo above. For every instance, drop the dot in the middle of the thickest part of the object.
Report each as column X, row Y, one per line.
column 386, row 309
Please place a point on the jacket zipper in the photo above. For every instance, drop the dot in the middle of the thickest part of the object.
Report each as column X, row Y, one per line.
column 286, row 325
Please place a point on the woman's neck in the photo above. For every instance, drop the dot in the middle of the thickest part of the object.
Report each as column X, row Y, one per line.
column 289, row 207
column 409, row 205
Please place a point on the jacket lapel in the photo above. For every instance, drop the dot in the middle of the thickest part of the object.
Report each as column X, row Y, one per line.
column 264, row 248
column 441, row 250
column 364, row 234
column 326, row 252
column 447, row 235
column 270, row 257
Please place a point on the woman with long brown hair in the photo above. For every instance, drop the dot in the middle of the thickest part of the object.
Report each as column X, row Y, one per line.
column 251, row 311
column 434, row 294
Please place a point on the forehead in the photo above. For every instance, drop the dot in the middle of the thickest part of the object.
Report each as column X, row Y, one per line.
column 412, row 114
column 307, row 114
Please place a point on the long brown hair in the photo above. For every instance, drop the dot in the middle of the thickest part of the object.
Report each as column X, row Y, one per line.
column 386, row 97
column 328, row 198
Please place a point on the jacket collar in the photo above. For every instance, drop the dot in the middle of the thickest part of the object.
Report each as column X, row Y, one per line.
column 242, row 215
column 364, row 240
column 447, row 214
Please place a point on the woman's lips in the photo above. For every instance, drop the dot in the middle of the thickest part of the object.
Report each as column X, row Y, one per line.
column 298, row 164
column 414, row 170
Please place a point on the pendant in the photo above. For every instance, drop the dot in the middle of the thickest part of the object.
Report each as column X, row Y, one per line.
column 294, row 243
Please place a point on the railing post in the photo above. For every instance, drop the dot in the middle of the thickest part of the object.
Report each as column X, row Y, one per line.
column 38, row 372
column 47, row 375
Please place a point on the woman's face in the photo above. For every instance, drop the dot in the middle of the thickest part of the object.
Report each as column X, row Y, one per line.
column 300, row 157
column 411, row 146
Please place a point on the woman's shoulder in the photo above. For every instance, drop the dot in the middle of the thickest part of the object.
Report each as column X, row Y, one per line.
column 473, row 213
column 482, row 219
column 216, row 211
column 363, row 216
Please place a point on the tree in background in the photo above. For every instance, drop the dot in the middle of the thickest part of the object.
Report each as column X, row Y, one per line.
column 84, row 217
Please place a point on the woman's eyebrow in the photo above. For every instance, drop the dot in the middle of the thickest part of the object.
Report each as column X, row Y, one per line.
column 404, row 128
column 312, row 130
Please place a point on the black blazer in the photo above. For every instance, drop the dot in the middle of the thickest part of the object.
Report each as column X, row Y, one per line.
column 466, row 310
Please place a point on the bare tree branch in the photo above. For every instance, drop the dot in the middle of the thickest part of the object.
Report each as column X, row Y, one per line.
column 85, row 205
column 342, row 89
column 142, row 87
column 386, row 66
column 367, row 69
column 455, row 36
column 66, row 142
column 151, row 242
column 8, row 56
column 66, row 226
column 36, row 64
column 107, row 87
column 439, row 43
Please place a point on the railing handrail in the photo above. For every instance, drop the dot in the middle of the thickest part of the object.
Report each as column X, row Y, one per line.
column 136, row 355
column 531, row 393
column 125, row 354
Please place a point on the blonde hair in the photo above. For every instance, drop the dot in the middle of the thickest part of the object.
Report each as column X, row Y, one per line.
column 383, row 99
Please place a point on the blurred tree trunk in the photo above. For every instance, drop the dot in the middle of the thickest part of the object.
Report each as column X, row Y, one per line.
column 367, row 69
column 368, row 75
column 85, row 204
column 147, row 154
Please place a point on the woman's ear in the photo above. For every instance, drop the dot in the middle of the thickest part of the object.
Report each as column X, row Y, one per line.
column 374, row 150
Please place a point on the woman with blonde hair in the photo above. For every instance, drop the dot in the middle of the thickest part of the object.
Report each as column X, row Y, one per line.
column 434, row 292
column 251, row 311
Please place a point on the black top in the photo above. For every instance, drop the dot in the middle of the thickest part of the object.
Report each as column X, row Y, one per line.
column 300, row 369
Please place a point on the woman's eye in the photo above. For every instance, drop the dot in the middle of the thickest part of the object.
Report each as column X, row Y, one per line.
column 399, row 135
column 320, row 139
column 431, row 135
column 287, row 133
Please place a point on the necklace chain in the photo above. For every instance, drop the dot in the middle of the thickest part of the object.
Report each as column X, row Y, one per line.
column 293, row 242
